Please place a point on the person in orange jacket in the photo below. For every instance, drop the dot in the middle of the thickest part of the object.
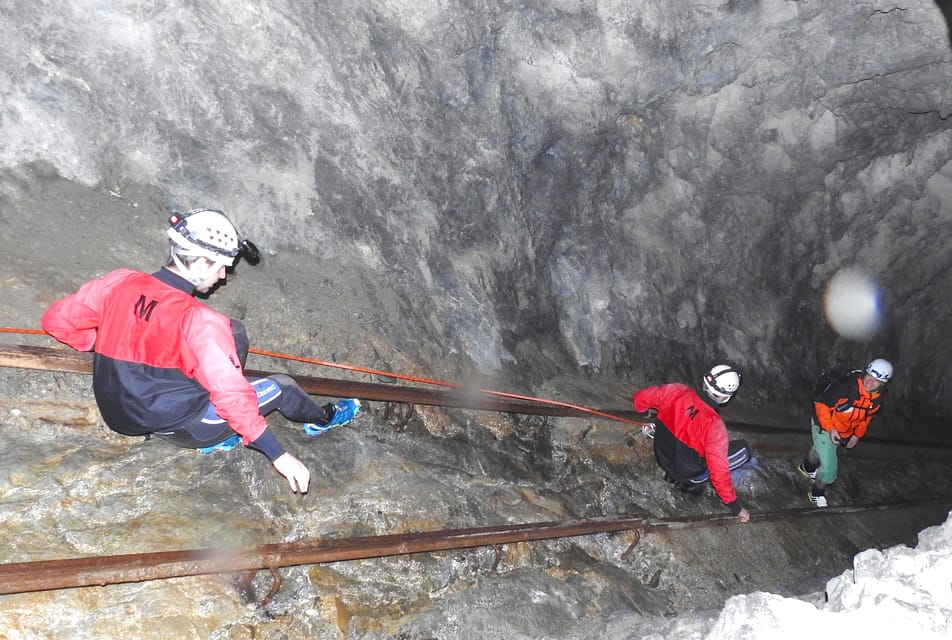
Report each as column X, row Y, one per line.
column 841, row 415
column 690, row 438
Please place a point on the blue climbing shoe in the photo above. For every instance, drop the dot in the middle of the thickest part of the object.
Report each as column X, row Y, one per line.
column 341, row 413
column 224, row 445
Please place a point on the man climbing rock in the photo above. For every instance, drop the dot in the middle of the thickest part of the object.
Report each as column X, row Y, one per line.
column 690, row 438
column 166, row 364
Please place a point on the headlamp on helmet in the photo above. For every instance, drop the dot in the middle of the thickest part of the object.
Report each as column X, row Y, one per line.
column 210, row 234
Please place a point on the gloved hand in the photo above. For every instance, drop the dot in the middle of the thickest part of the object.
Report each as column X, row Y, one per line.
column 648, row 425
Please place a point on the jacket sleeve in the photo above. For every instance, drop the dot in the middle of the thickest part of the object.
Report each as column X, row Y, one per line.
column 824, row 407
column 74, row 320
column 214, row 364
column 841, row 395
column 715, row 456
column 824, row 416
column 863, row 426
column 647, row 398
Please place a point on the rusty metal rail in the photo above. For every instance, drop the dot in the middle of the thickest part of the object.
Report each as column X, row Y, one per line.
column 757, row 429
column 43, row 575
column 52, row 359
column 62, row 360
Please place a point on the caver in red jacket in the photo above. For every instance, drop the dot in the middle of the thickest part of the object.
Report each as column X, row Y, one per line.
column 160, row 355
column 696, row 424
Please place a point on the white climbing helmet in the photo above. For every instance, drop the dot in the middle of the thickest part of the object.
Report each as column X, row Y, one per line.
column 206, row 233
column 721, row 382
column 880, row 369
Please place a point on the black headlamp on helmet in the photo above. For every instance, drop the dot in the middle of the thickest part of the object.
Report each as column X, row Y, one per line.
column 209, row 232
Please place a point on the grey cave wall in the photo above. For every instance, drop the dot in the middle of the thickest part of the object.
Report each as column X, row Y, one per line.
column 534, row 189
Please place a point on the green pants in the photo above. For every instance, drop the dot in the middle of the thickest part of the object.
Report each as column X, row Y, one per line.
column 825, row 451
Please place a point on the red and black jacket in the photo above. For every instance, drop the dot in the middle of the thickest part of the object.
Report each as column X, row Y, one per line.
column 160, row 355
column 697, row 425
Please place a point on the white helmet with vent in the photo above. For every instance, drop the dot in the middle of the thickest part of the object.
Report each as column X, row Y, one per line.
column 721, row 382
column 207, row 233
column 880, row 369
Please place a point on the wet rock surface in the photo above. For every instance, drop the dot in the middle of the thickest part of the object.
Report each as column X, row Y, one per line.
column 71, row 489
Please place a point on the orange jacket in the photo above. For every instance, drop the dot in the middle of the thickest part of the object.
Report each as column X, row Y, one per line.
column 847, row 407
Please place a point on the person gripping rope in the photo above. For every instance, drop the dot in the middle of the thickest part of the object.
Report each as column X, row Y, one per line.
column 842, row 412
column 690, row 438
column 166, row 364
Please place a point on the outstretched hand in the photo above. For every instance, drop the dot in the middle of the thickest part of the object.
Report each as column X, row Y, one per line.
column 294, row 472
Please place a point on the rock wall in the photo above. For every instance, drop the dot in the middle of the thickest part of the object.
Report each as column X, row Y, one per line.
column 530, row 189
column 563, row 197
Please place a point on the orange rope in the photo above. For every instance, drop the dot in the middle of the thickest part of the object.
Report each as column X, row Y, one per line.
column 441, row 383
column 388, row 374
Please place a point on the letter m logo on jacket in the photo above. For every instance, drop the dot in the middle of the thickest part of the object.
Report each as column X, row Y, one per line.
column 144, row 309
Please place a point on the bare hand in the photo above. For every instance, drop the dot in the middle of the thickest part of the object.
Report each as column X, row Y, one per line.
column 852, row 442
column 294, row 472
column 744, row 515
column 835, row 436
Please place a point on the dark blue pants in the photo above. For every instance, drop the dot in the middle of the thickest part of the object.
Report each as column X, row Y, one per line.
column 278, row 392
